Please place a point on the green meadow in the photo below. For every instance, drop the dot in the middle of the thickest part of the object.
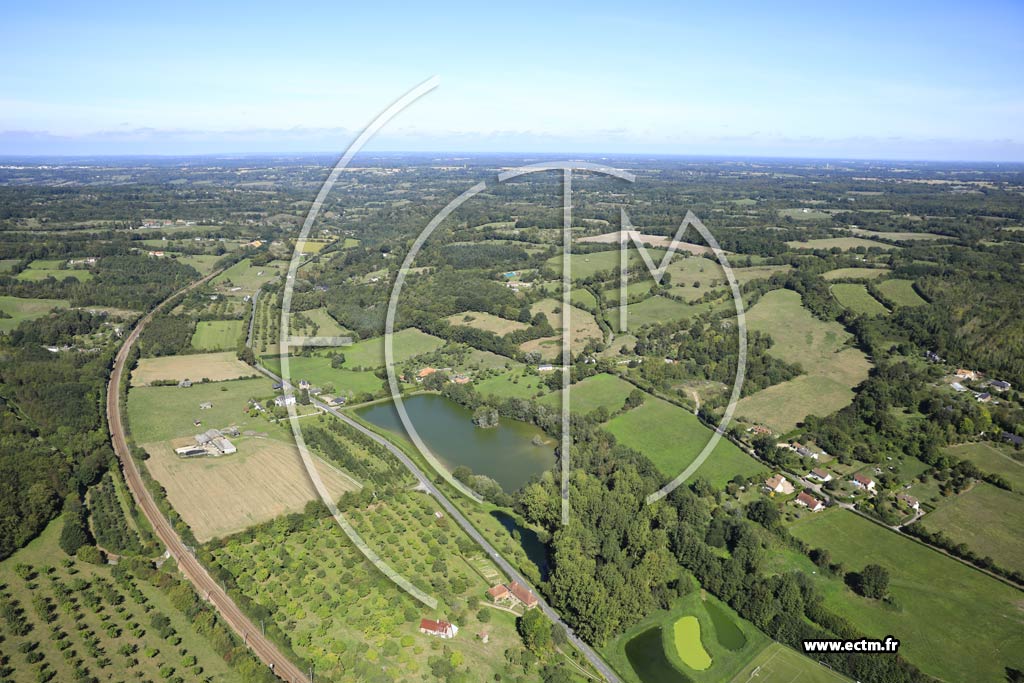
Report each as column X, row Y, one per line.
column 25, row 309
column 900, row 293
column 218, row 335
column 604, row 390
column 672, row 438
column 830, row 367
column 856, row 298
column 928, row 589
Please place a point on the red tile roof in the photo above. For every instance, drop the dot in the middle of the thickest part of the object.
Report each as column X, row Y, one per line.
column 434, row 626
column 808, row 500
column 523, row 594
column 498, row 592
column 861, row 479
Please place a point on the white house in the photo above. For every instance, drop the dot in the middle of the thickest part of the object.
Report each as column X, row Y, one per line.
column 820, row 475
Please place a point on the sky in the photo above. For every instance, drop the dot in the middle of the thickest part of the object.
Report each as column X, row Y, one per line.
column 888, row 80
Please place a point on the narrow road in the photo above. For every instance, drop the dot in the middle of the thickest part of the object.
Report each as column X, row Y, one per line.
column 453, row 512
column 252, row 318
column 203, row 583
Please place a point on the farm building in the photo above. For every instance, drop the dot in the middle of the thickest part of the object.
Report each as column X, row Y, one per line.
column 1000, row 385
column 424, row 373
column 779, row 484
column 810, row 502
column 185, row 383
column 282, row 401
column 439, row 628
column 958, row 387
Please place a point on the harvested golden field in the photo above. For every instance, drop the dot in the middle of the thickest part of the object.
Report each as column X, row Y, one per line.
column 221, row 496
column 212, row 366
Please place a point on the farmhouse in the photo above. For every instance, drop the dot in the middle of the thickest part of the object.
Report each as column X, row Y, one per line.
column 522, row 594
column 1013, row 439
column 761, row 430
column 424, row 373
column 810, row 502
column 819, row 474
column 779, row 484
column 983, row 397
column 911, row 502
column 282, row 401
column 441, row 629
column 1000, row 385
column 500, row 594
column 862, row 482
column 964, row 373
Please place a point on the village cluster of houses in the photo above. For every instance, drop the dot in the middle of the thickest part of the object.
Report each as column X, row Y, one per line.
column 966, row 375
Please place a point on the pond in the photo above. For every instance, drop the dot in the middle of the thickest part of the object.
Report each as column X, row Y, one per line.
column 505, row 453
column 646, row 655
column 536, row 551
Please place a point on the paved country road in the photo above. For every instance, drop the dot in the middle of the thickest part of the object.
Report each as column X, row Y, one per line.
column 595, row 659
column 203, row 583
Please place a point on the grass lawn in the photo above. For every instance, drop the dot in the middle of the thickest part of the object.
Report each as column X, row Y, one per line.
column 899, row 235
column 201, row 262
column 843, row 243
column 593, row 392
column 34, row 274
column 196, row 367
column 987, row 519
column 779, row 664
column 487, row 322
column 248, row 277
column 514, row 384
column 165, row 413
column 900, row 293
column 326, row 326
column 46, row 264
column 672, row 438
column 581, row 323
column 855, row 273
column 688, row 625
column 408, row 343
column 655, row 309
column 857, row 298
column 936, row 596
column 994, row 459
column 317, row 371
column 25, row 309
column 831, row 369
column 218, row 335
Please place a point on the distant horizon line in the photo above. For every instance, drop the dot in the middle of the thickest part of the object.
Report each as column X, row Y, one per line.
column 4, row 157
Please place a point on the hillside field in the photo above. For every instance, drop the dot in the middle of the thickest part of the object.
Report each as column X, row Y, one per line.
column 830, row 368
column 929, row 589
column 856, row 298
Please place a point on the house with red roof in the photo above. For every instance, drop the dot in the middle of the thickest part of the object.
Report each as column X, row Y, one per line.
column 862, row 482
column 810, row 502
column 439, row 628
column 522, row 594
column 500, row 594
